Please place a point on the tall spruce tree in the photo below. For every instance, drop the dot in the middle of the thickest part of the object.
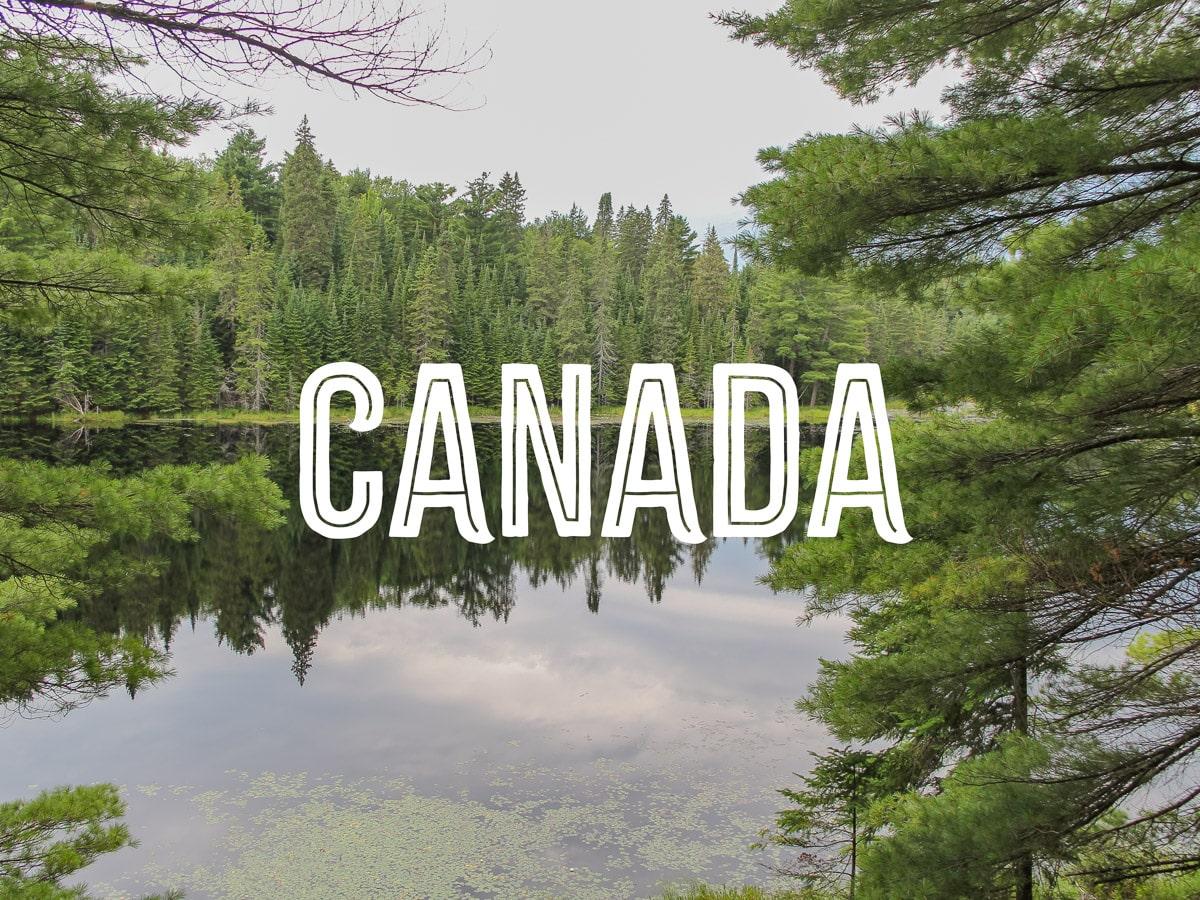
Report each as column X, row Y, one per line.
column 245, row 273
column 431, row 311
column 664, row 290
column 571, row 330
column 603, row 226
column 307, row 212
column 711, row 285
column 604, row 291
column 243, row 161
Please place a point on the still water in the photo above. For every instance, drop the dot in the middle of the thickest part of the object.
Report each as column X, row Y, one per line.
column 546, row 716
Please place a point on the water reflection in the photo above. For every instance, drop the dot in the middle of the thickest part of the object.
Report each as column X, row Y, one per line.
column 541, row 716
column 246, row 579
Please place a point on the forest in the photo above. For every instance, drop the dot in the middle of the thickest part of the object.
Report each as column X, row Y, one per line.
column 294, row 265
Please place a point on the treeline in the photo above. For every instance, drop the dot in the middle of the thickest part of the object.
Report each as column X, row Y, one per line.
column 299, row 265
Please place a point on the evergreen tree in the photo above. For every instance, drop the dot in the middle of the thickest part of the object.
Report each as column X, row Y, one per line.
column 307, row 211
column 479, row 214
column 155, row 382
column 829, row 820
column 246, row 287
column 635, row 230
column 548, row 365
column 70, row 356
column 510, row 211
column 603, row 226
column 251, row 352
column 542, row 261
column 604, row 297
column 242, row 161
column 201, row 375
column 1012, row 756
column 806, row 325
column 430, row 313
column 711, row 285
column 664, row 288
column 571, row 330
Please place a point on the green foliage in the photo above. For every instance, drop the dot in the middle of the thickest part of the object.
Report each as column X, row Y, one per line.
column 242, row 162
column 68, row 534
column 54, row 835
column 808, row 326
column 433, row 298
column 59, row 523
column 827, row 819
column 1081, row 112
column 306, row 215
column 246, row 281
column 90, row 206
column 1057, row 192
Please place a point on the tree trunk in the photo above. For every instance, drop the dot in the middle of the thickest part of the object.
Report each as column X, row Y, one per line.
column 1024, row 865
column 853, row 846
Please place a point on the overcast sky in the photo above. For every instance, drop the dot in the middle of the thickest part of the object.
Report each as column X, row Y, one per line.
column 638, row 98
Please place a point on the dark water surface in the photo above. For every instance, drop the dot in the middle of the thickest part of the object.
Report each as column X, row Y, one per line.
column 560, row 717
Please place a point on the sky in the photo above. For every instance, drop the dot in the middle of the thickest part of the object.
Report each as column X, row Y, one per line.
column 637, row 98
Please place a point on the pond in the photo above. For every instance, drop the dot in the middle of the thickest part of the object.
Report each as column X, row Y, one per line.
column 425, row 717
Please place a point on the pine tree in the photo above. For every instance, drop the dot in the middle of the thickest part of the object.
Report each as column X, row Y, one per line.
column 242, row 161
column 156, row 386
column 602, row 229
column 251, row 357
column 571, row 329
column 541, row 256
column 201, row 374
column 483, row 225
column 806, row 325
column 828, row 819
column 431, row 310
column 70, row 352
column 307, row 212
column 510, row 213
column 664, row 289
column 711, row 285
column 1063, row 520
column 635, row 231
column 548, row 364
column 690, row 380
column 22, row 388
column 604, row 297
column 246, row 287
column 123, row 349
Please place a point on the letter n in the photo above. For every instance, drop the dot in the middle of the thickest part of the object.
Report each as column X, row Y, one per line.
column 566, row 476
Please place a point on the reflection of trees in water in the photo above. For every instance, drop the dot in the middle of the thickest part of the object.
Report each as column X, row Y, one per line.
column 245, row 578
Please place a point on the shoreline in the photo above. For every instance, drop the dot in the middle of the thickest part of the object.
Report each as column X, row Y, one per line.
column 392, row 415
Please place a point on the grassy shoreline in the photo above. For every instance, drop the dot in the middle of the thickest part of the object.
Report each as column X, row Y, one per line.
column 392, row 415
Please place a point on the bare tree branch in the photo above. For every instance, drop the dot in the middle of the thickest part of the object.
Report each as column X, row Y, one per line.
column 370, row 48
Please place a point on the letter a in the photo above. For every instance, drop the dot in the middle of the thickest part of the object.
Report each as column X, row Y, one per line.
column 441, row 401
column 652, row 399
column 858, row 397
